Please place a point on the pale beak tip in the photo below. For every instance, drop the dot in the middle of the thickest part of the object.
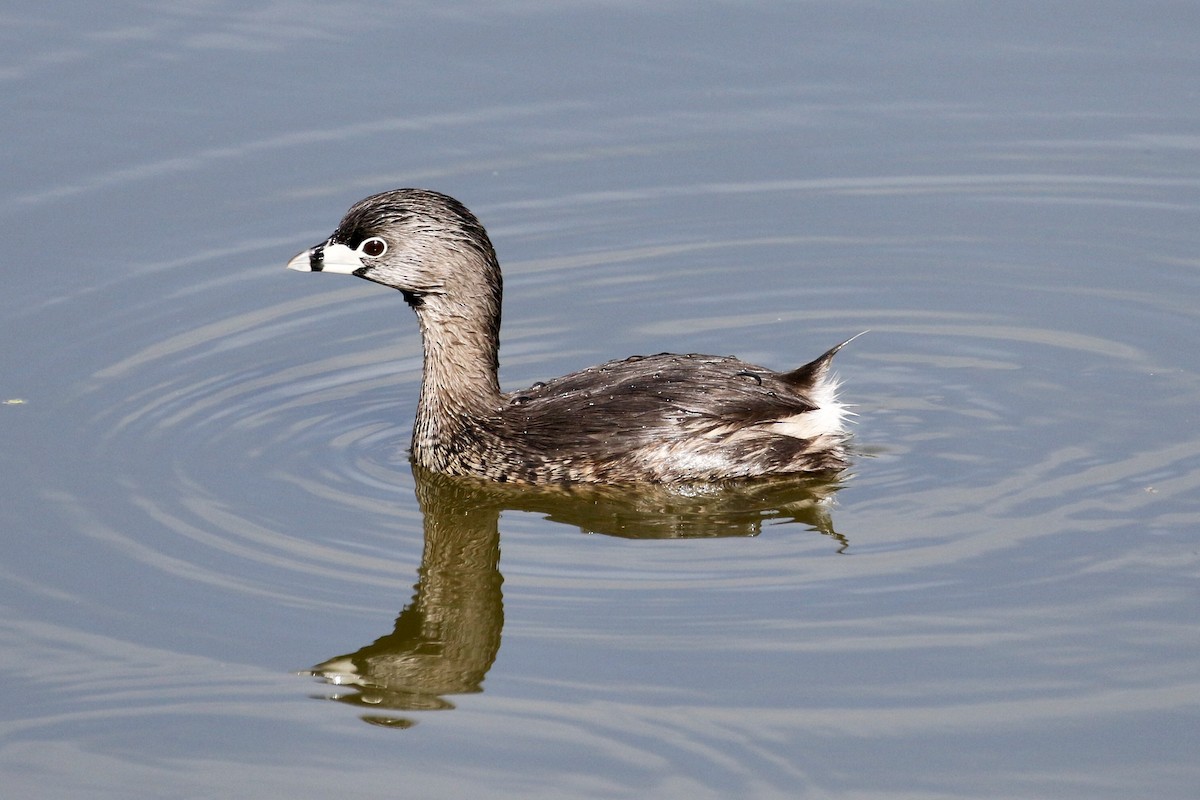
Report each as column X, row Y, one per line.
column 302, row 262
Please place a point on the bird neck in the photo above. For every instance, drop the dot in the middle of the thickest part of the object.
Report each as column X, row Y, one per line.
column 461, row 339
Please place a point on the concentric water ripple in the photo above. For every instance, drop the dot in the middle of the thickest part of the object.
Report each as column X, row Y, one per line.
column 971, row 397
column 259, row 453
column 211, row 528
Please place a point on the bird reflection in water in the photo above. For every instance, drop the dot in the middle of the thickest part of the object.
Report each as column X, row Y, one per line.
column 446, row 639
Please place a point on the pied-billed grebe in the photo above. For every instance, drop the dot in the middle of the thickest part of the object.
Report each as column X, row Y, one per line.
column 665, row 418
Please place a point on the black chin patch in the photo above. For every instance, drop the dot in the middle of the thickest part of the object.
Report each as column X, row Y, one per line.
column 414, row 299
column 316, row 258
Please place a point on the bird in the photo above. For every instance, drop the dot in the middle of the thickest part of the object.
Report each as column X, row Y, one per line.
column 662, row 419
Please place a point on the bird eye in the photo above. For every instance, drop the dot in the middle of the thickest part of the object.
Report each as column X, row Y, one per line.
column 373, row 247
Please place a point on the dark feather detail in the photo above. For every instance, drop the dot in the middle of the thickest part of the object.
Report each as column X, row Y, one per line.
column 817, row 370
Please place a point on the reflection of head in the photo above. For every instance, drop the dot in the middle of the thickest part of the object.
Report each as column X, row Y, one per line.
column 447, row 637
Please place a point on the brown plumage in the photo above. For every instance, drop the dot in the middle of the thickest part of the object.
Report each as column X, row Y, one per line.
column 666, row 418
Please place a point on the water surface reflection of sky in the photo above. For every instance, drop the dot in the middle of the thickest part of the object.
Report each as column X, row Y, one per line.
column 206, row 499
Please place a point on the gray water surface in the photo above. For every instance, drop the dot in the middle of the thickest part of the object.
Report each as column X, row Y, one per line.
column 211, row 530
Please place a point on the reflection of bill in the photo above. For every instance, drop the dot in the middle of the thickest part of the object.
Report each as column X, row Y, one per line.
column 446, row 639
